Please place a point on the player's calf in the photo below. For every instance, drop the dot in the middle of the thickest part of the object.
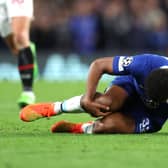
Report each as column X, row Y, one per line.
column 114, row 123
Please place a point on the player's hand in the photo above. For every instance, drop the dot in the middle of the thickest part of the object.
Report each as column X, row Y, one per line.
column 93, row 108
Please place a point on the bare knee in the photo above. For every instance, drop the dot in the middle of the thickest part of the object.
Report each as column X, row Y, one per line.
column 20, row 30
column 21, row 39
column 107, row 100
column 103, row 99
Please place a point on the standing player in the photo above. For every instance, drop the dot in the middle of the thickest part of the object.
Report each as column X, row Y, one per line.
column 135, row 102
column 15, row 20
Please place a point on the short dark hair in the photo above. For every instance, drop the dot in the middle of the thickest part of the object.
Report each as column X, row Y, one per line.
column 156, row 85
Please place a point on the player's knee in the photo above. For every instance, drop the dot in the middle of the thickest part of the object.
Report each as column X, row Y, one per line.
column 103, row 99
column 21, row 39
column 113, row 103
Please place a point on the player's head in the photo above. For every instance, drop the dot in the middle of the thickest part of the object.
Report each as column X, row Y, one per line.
column 156, row 85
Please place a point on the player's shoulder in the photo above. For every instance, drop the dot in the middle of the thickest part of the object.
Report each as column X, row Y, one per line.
column 144, row 56
column 149, row 56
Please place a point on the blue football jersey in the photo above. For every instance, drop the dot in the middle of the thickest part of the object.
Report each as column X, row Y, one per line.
column 139, row 66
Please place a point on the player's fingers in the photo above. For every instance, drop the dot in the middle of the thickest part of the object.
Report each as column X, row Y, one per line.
column 98, row 113
column 101, row 106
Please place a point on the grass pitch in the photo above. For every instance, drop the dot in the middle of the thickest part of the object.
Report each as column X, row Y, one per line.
column 31, row 145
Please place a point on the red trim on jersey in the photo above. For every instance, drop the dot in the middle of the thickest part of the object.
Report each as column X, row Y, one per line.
column 26, row 67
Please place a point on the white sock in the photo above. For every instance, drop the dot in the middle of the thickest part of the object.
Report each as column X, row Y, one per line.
column 71, row 105
column 88, row 127
column 57, row 107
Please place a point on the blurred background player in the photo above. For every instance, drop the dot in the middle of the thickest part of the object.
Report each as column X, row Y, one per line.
column 135, row 102
column 15, row 21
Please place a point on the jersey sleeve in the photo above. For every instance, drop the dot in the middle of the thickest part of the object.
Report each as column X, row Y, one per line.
column 130, row 65
column 138, row 64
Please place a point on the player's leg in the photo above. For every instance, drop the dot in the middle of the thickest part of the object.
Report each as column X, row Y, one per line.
column 112, row 123
column 19, row 43
column 115, row 123
column 41, row 110
column 133, row 118
column 115, row 96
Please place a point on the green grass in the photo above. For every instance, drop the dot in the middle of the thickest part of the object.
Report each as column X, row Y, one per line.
column 31, row 145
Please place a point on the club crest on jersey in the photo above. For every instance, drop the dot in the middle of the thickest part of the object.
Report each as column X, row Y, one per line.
column 124, row 62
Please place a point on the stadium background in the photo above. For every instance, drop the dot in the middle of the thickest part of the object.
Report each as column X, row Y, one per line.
column 71, row 33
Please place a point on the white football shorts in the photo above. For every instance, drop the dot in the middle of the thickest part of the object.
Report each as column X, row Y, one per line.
column 13, row 8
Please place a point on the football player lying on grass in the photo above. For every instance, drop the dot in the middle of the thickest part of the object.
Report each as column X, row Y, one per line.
column 136, row 101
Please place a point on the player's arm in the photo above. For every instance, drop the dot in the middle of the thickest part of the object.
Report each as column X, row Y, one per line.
column 97, row 69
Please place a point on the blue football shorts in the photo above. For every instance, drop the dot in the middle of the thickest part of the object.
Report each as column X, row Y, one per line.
column 147, row 120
